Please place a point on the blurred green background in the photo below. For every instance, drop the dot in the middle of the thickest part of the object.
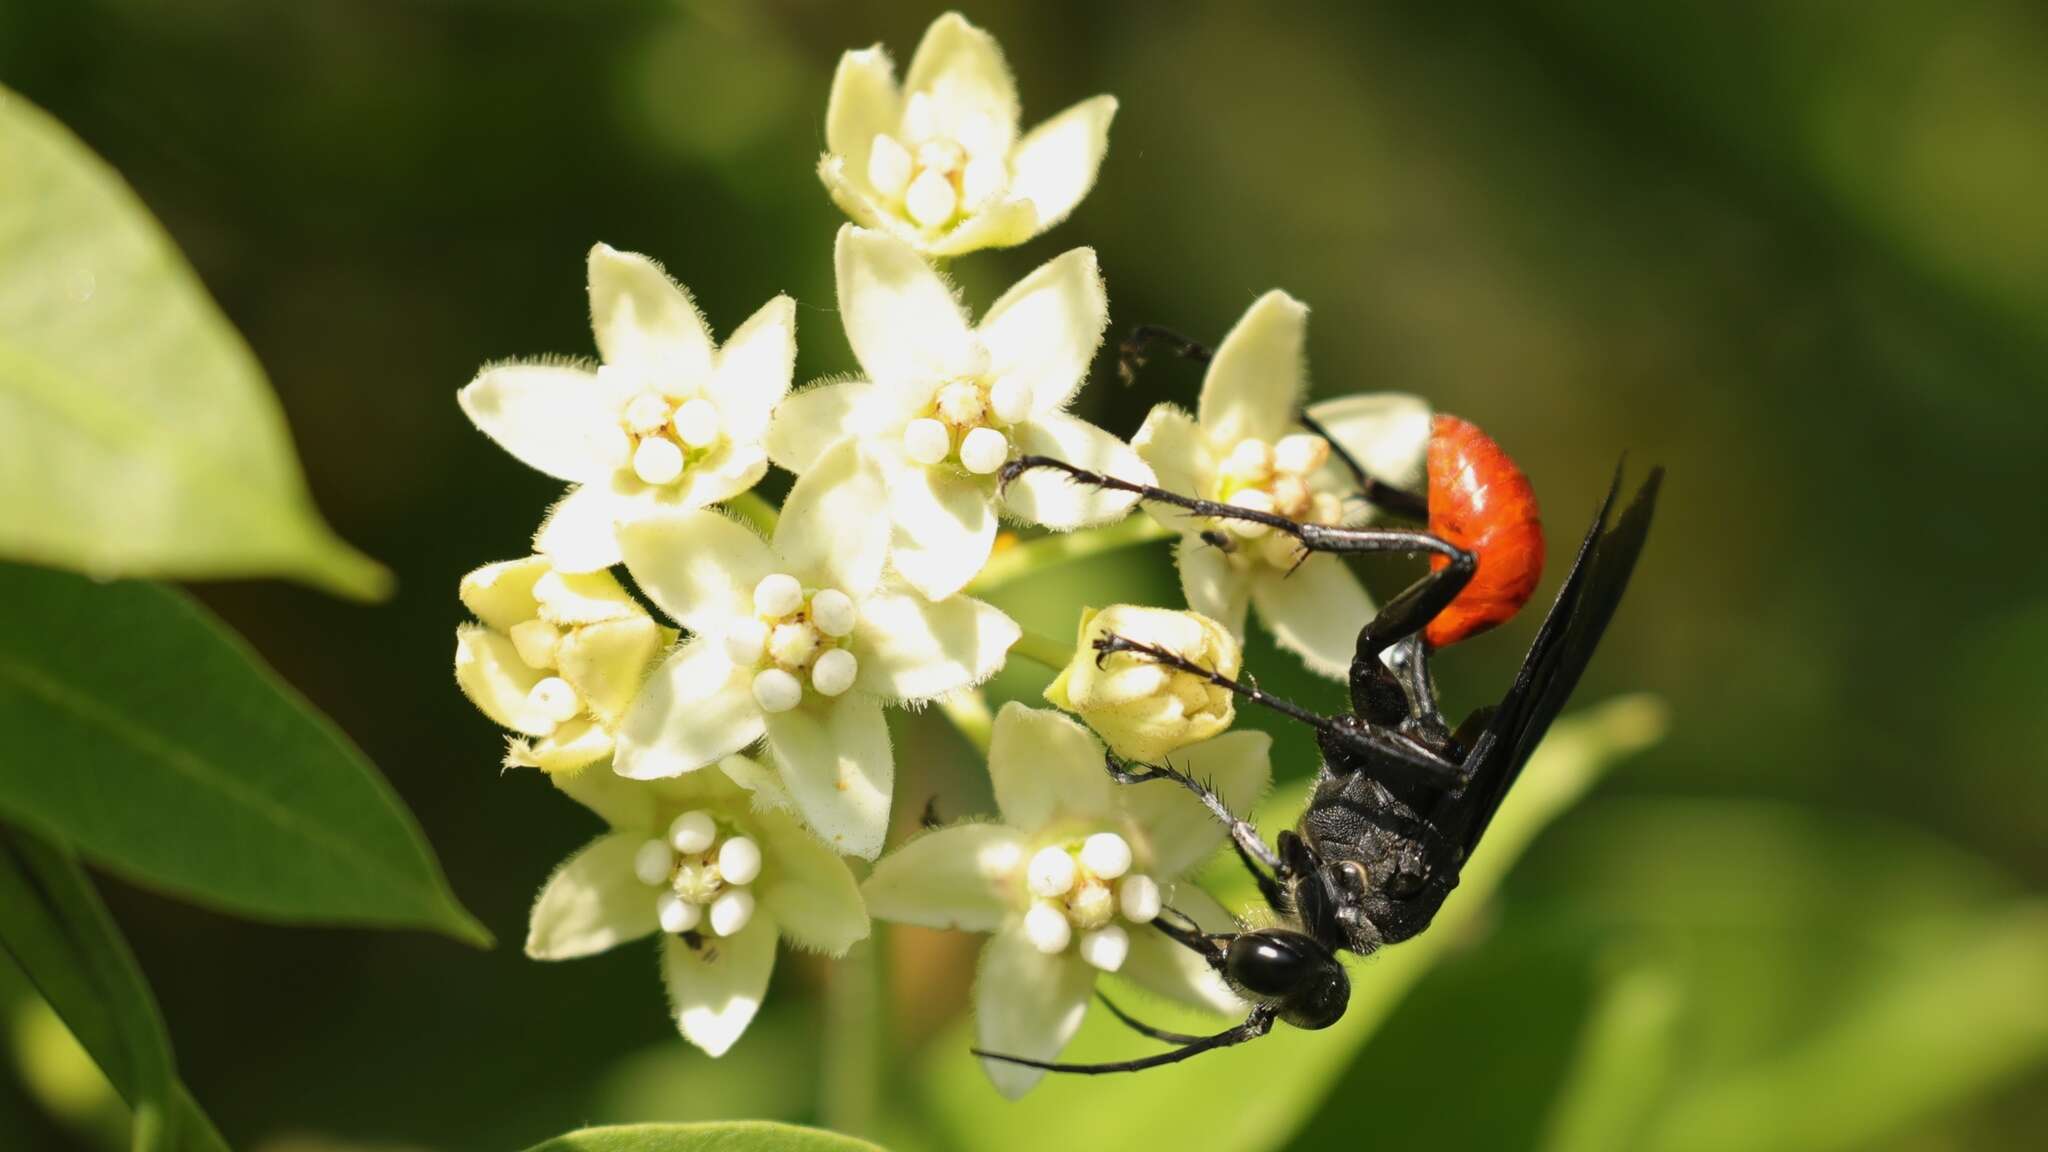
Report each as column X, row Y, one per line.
column 1797, row 252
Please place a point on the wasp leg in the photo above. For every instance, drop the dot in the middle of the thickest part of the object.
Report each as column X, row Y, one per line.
column 1395, row 752
column 1142, row 1028
column 1136, row 349
column 1374, row 491
column 1312, row 537
column 1251, row 847
column 1255, row 1025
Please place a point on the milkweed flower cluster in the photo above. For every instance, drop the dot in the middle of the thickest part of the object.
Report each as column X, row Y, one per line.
column 712, row 676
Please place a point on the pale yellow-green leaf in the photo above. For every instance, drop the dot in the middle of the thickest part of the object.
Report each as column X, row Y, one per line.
column 138, row 434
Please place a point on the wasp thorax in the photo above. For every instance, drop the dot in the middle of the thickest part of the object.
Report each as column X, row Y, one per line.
column 795, row 638
column 968, row 420
column 1277, row 477
column 935, row 177
column 1079, row 891
column 703, row 871
column 661, row 436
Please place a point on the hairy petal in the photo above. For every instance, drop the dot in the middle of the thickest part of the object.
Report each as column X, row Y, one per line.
column 696, row 709
column 1055, row 164
column 555, row 419
column 714, row 990
column 836, row 760
column 808, row 889
column 1254, row 386
column 1046, row 328
column 647, row 322
column 1045, row 765
column 592, row 902
column 1027, row 1004
column 913, row 649
column 1314, row 612
column 963, row 877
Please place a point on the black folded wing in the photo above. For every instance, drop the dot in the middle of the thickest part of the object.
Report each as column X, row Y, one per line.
column 1591, row 592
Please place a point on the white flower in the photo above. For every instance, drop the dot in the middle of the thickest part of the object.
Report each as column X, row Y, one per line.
column 937, row 161
column 1070, row 881
column 946, row 403
column 557, row 658
column 1145, row 709
column 801, row 641
column 667, row 422
column 1245, row 446
column 718, row 873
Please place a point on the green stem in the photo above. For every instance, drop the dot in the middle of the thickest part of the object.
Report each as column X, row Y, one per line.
column 850, row 1098
column 969, row 712
column 749, row 506
column 1043, row 650
column 1020, row 560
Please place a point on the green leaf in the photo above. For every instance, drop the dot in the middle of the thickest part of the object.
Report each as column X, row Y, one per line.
column 1256, row 1096
column 739, row 1136
column 1624, row 1063
column 54, row 927
column 138, row 435
column 147, row 734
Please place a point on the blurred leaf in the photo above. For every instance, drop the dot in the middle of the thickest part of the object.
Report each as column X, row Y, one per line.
column 1256, row 1096
column 1624, row 1064
column 1928, row 1038
column 743, row 1136
column 56, row 930
column 138, row 436
column 150, row 736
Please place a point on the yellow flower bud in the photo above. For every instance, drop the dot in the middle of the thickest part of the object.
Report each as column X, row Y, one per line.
column 1142, row 708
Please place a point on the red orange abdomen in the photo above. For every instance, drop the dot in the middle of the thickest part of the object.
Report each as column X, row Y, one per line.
column 1480, row 501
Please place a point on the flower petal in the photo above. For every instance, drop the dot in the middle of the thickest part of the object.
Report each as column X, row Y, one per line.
column 1002, row 224
column 714, row 989
column 501, row 594
column 1165, row 968
column 647, row 322
column 730, row 469
column 754, row 370
column 559, row 420
column 698, row 567
column 627, row 805
column 1254, row 386
column 829, row 532
column 912, row 649
column 1387, row 432
column 944, row 528
column 1172, row 445
column 1027, row 1004
column 607, row 662
column 963, row 877
column 1237, row 765
column 1211, row 584
column 850, row 192
column 807, row 888
column 592, row 902
column 816, row 418
column 1055, row 164
column 573, row 746
column 1046, row 328
column 694, row 710
column 489, row 671
column 1045, row 766
column 864, row 103
column 1050, row 497
column 972, row 95
column 578, row 533
column 763, row 783
column 569, row 598
column 1315, row 612
column 901, row 318
column 836, row 760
